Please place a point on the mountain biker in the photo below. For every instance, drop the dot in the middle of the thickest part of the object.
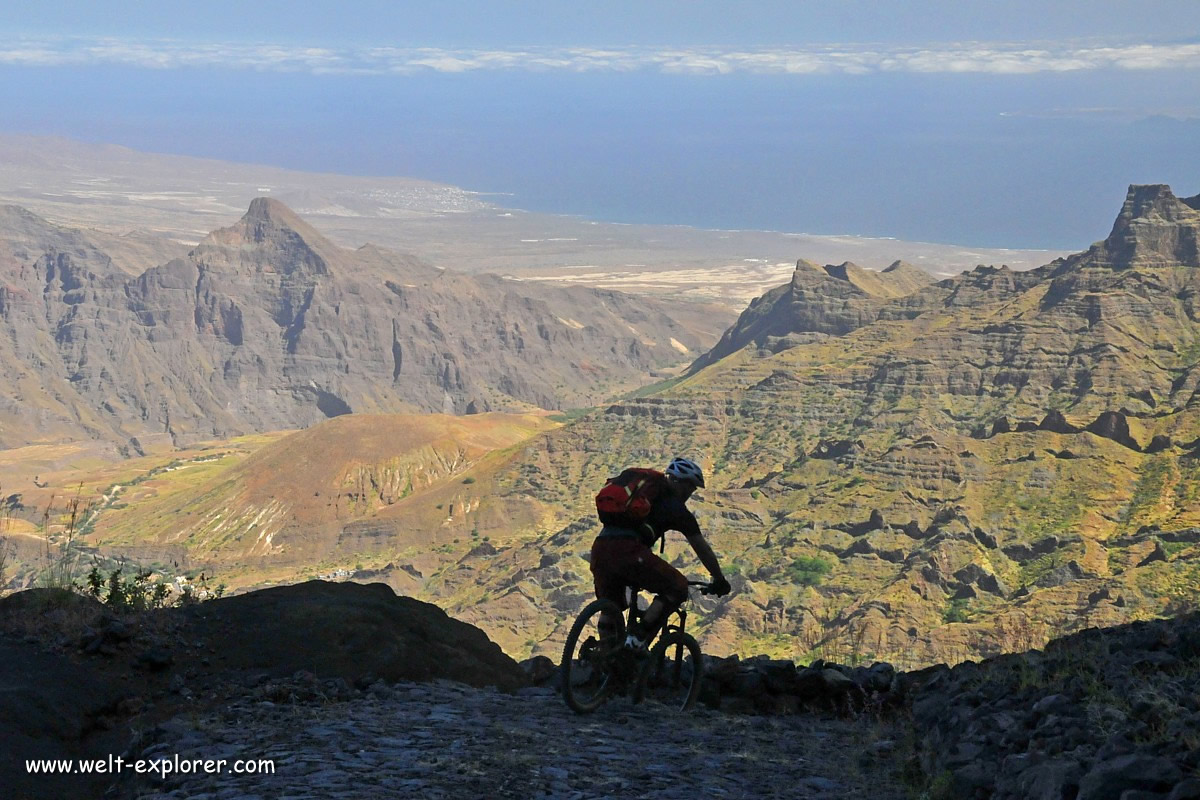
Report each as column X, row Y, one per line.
column 621, row 556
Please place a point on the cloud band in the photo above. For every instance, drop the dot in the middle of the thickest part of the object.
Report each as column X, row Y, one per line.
column 975, row 57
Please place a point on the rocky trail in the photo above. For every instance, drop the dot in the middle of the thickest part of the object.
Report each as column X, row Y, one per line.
column 347, row 691
column 447, row 740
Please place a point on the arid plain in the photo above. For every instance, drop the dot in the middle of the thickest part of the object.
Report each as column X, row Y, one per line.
column 152, row 207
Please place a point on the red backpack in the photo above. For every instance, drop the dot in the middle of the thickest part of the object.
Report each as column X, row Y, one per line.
column 626, row 499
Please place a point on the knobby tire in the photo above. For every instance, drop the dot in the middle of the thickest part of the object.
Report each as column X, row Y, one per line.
column 572, row 668
column 669, row 672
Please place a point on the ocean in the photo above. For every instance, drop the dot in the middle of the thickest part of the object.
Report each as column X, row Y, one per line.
column 1024, row 161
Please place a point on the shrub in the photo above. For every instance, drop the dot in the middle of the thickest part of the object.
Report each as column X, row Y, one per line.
column 809, row 571
column 136, row 593
column 956, row 612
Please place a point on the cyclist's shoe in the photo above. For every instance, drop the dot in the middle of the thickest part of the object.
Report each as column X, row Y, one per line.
column 634, row 644
column 636, row 639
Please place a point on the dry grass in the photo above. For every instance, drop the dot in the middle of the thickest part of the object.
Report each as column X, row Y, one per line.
column 7, row 550
column 62, row 557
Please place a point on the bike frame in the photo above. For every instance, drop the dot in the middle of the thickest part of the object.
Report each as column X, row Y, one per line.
column 635, row 613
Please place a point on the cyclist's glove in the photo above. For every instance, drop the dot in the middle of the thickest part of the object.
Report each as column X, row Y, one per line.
column 721, row 587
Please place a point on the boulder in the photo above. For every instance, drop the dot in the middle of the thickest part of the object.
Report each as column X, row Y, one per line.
column 836, row 448
column 1109, row 779
column 985, row 539
column 1055, row 422
column 1157, row 554
column 1113, row 425
column 779, row 676
column 1159, row 443
column 1187, row 789
column 837, row 684
column 1052, row 780
column 348, row 630
column 540, row 669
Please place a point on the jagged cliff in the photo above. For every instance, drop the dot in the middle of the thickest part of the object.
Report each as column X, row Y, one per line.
column 267, row 325
column 819, row 301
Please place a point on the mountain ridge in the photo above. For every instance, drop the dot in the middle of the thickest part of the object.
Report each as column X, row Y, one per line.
column 267, row 325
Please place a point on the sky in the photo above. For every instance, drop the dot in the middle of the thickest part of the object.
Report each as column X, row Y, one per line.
column 992, row 124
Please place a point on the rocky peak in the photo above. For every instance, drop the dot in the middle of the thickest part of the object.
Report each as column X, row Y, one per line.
column 846, row 271
column 828, row 280
column 823, row 301
column 268, row 325
column 270, row 210
column 271, row 232
column 898, row 280
column 1154, row 229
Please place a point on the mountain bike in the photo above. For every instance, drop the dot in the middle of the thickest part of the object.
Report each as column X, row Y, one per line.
column 596, row 665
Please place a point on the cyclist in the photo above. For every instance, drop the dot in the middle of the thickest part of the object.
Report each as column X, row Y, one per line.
column 621, row 556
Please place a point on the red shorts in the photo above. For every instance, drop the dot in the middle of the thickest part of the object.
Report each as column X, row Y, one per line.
column 618, row 563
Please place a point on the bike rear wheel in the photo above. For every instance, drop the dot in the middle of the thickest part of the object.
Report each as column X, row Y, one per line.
column 672, row 674
column 590, row 656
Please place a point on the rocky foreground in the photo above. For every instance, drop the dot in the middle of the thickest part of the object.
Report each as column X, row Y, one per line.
column 349, row 691
column 445, row 740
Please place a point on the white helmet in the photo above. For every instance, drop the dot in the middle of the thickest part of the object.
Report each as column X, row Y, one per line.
column 686, row 470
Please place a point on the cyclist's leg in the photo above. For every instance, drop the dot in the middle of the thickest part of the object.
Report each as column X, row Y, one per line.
column 667, row 583
column 609, row 583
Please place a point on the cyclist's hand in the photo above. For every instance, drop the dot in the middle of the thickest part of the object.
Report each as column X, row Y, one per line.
column 720, row 587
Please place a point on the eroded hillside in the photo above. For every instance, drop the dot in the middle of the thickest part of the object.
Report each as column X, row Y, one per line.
column 969, row 468
column 901, row 470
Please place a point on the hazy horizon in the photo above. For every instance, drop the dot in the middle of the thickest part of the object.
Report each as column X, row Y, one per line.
column 991, row 129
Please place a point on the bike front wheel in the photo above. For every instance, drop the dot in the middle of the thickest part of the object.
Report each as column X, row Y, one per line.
column 589, row 660
column 672, row 674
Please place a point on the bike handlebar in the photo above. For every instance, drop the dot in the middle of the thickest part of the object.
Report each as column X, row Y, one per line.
column 705, row 586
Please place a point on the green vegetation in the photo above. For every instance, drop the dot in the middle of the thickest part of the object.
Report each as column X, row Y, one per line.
column 572, row 414
column 135, row 593
column 1187, row 490
column 956, row 611
column 1148, row 491
column 1032, row 571
column 1173, row 549
column 1039, row 512
column 141, row 590
column 808, row 571
column 651, row 388
column 1189, row 354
